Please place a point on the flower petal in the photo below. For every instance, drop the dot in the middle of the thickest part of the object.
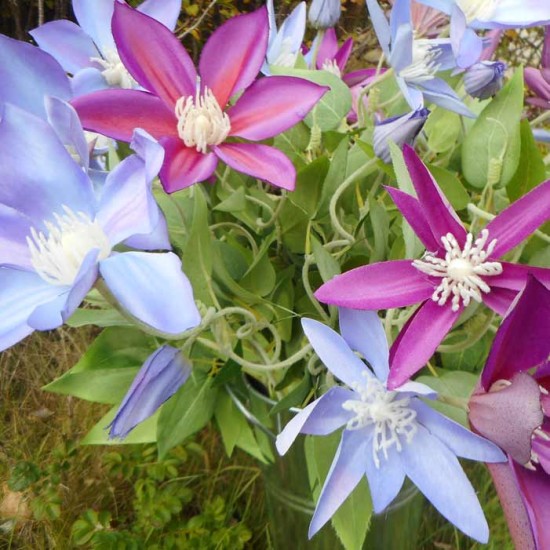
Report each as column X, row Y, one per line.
column 88, row 80
column 15, row 227
column 153, row 55
column 419, row 339
column 520, row 219
column 514, row 276
column 95, row 18
column 439, row 92
column 499, row 299
column 232, row 57
column 381, row 26
column 343, row 54
column 117, row 113
column 382, row 285
column 363, row 331
column 272, row 105
column 321, row 417
column 164, row 11
column 259, row 161
column 327, row 48
column 335, row 353
column 152, row 288
column 183, row 166
column 519, row 13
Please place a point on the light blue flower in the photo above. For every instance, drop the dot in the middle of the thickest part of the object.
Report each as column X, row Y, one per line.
column 88, row 52
column 388, row 435
column 416, row 61
column 324, row 14
column 58, row 235
column 484, row 79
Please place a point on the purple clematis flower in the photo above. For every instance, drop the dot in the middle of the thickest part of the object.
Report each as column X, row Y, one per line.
column 388, row 435
column 416, row 61
column 160, row 377
column 58, row 235
column 89, row 52
column 512, row 408
column 538, row 80
column 456, row 268
column 191, row 115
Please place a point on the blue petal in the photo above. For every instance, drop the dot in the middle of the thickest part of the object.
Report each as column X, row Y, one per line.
column 381, row 26
column 363, row 331
column 415, row 389
column 164, row 11
column 87, row 81
column 14, row 229
column 402, row 48
column 439, row 92
column 321, row 417
column 346, row 471
column 519, row 13
column 158, row 239
column 152, row 288
column 461, row 442
column 435, row 470
column 37, row 174
column 412, row 96
column 95, row 18
column 67, row 43
column 294, row 26
column 466, row 44
column 162, row 374
column 27, row 75
column 150, row 151
column 400, row 15
column 335, row 353
column 445, row 57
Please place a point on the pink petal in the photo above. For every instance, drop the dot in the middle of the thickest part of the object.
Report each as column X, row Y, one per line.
column 342, row 55
column 362, row 76
column 232, row 57
column 117, row 113
column 259, row 161
column 514, row 276
column 327, row 49
column 183, row 166
column 419, row 339
column 499, row 299
column 413, row 213
column 522, row 341
column 272, row 105
column 439, row 213
column 381, row 285
column 153, row 55
column 520, row 219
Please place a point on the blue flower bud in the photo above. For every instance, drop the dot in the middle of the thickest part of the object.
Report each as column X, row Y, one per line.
column 484, row 79
column 400, row 129
column 324, row 14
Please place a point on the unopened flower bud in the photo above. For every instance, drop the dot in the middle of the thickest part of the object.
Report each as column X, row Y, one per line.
column 483, row 80
column 324, row 14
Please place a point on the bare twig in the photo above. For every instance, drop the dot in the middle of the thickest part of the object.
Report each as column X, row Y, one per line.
column 199, row 20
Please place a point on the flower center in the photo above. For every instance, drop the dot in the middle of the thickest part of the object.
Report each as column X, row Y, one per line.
column 461, row 270
column 392, row 418
column 286, row 57
column 331, row 66
column 114, row 72
column 424, row 62
column 201, row 122
column 480, row 10
column 58, row 255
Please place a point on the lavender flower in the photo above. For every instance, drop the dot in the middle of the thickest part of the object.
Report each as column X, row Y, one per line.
column 484, row 79
column 324, row 14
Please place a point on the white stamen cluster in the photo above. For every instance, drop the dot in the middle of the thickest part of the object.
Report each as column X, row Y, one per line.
column 480, row 10
column 332, row 67
column 424, row 62
column 461, row 269
column 394, row 422
column 114, row 72
column 58, row 255
column 201, row 122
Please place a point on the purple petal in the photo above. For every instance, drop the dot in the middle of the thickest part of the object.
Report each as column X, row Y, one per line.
column 434, row 469
column 343, row 54
column 538, row 84
column 232, row 57
column 335, row 353
column 153, row 55
column 152, row 288
column 327, row 48
column 14, row 229
column 67, row 43
column 117, row 113
column 361, row 76
column 162, row 374
column 382, row 285
column 164, row 11
column 95, row 19
column 259, row 161
column 363, row 331
column 499, row 299
column 272, row 105
column 347, row 469
column 28, row 75
column 419, row 339
column 321, row 417
column 184, row 166
column 522, row 341
column 514, row 276
column 520, row 219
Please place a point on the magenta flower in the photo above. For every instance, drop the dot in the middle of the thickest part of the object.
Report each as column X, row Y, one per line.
column 189, row 112
column 539, row 79
column 456, row 268
column 512, row 408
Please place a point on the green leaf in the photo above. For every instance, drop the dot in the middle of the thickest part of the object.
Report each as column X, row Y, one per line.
column 236, row 202
column 443, row 129
column 187, row 411
column 531, row 170
column 295, row 397
column 328, row 266
column 491, row 149
column 451, row 186
column 381, row 229
column 309, row 181
column 338, row 165
column 98, row 317
column 261, row 277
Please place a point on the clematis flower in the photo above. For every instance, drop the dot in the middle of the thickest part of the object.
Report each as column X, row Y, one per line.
column 416, row 61
column 484, row 79
column 88, row 52
column 426, row 21
column 512, row 408
column 538, row 80
column 191, row 115
column 160, row 377
column 324, row 14
column 285, row 44
column 456, row 268
column 388, row 435
column 58, row 237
